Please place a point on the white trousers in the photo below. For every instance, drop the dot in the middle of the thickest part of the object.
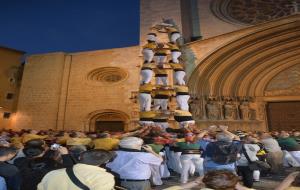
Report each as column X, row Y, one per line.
column 176, row 162
column 164, row 171
column 161, row 81
column 148, row 55
column 182, row 102
column 175, row 55
column 161, row 103
column 179, row 77
column 175, row 37
column 187, row 160
column 160, row 59
column 145, row 101
column 289, row 159
column 296, row 155
column 183, row 123
column 146, row 123
column 146, row 76
column 162, row 125
column 155, row 175
column 151, row 37
column 256, row 175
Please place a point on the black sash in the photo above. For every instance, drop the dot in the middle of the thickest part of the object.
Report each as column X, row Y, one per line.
column 75, row 180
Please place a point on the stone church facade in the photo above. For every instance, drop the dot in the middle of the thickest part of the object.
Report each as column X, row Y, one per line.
column 239, row 64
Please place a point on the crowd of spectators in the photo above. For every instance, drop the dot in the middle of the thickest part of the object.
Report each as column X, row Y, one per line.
column 144, row 158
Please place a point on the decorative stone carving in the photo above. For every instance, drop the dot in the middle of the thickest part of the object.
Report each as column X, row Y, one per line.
column 229, row 110
column 253, row 11
column 213, row 109
column 285, row 83
column 245, row 110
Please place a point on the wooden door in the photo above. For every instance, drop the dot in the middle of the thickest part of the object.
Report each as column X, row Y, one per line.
column 283, row 116
column 114, row 126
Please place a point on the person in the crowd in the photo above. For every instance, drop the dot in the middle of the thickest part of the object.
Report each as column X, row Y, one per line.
column 133, row 165
column 287, row 143
column 87, row 173
column 291, row 182
column 9, row 172
column 249, row 151
column 224, row 152
column 290, row 145
column 39, row 161
column 275, row 154
column 33, row 134
column 78, row 138
column 213, row 180
column 106, row 141
column 296, row 136
column 191, row 155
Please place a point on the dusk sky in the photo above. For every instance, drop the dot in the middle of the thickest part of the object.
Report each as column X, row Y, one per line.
column 41, row 26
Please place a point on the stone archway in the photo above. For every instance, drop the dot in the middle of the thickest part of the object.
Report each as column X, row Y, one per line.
column 107, row 120
column 233, row 79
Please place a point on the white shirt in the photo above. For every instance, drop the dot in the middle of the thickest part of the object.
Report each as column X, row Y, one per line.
column 251, row 150
column 134, row 165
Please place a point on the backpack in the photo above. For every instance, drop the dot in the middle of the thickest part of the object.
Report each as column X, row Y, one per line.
column 225, row 152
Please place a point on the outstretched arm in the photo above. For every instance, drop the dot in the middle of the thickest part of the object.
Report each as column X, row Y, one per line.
column 287, row 181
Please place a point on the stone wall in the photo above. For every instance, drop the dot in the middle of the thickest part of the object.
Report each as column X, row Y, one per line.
column 58, row 93
column 10, row 75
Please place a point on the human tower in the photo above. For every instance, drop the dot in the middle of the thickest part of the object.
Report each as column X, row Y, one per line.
column 156, row 97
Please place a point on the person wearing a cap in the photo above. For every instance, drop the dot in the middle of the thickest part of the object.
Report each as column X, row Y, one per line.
column 161, row 98
column 145, row 96
column 87, row 171
column 175, row 52
column 146, row 118
column 133, row 165
column 179, row 73
column 184, row 118
column 182, row 97
column 148, row 51
column 161, row 76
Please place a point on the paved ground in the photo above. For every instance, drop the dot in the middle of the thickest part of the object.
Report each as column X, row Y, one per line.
column 266, row 183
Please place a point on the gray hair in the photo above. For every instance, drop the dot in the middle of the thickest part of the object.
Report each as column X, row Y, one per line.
column 223, row 137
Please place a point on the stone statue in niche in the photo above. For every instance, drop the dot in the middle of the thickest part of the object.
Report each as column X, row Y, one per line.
column 245, row 110
column 252, row 114
column 213, row 109
column 261, row 111
column 195, row 108
column 229, row 110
